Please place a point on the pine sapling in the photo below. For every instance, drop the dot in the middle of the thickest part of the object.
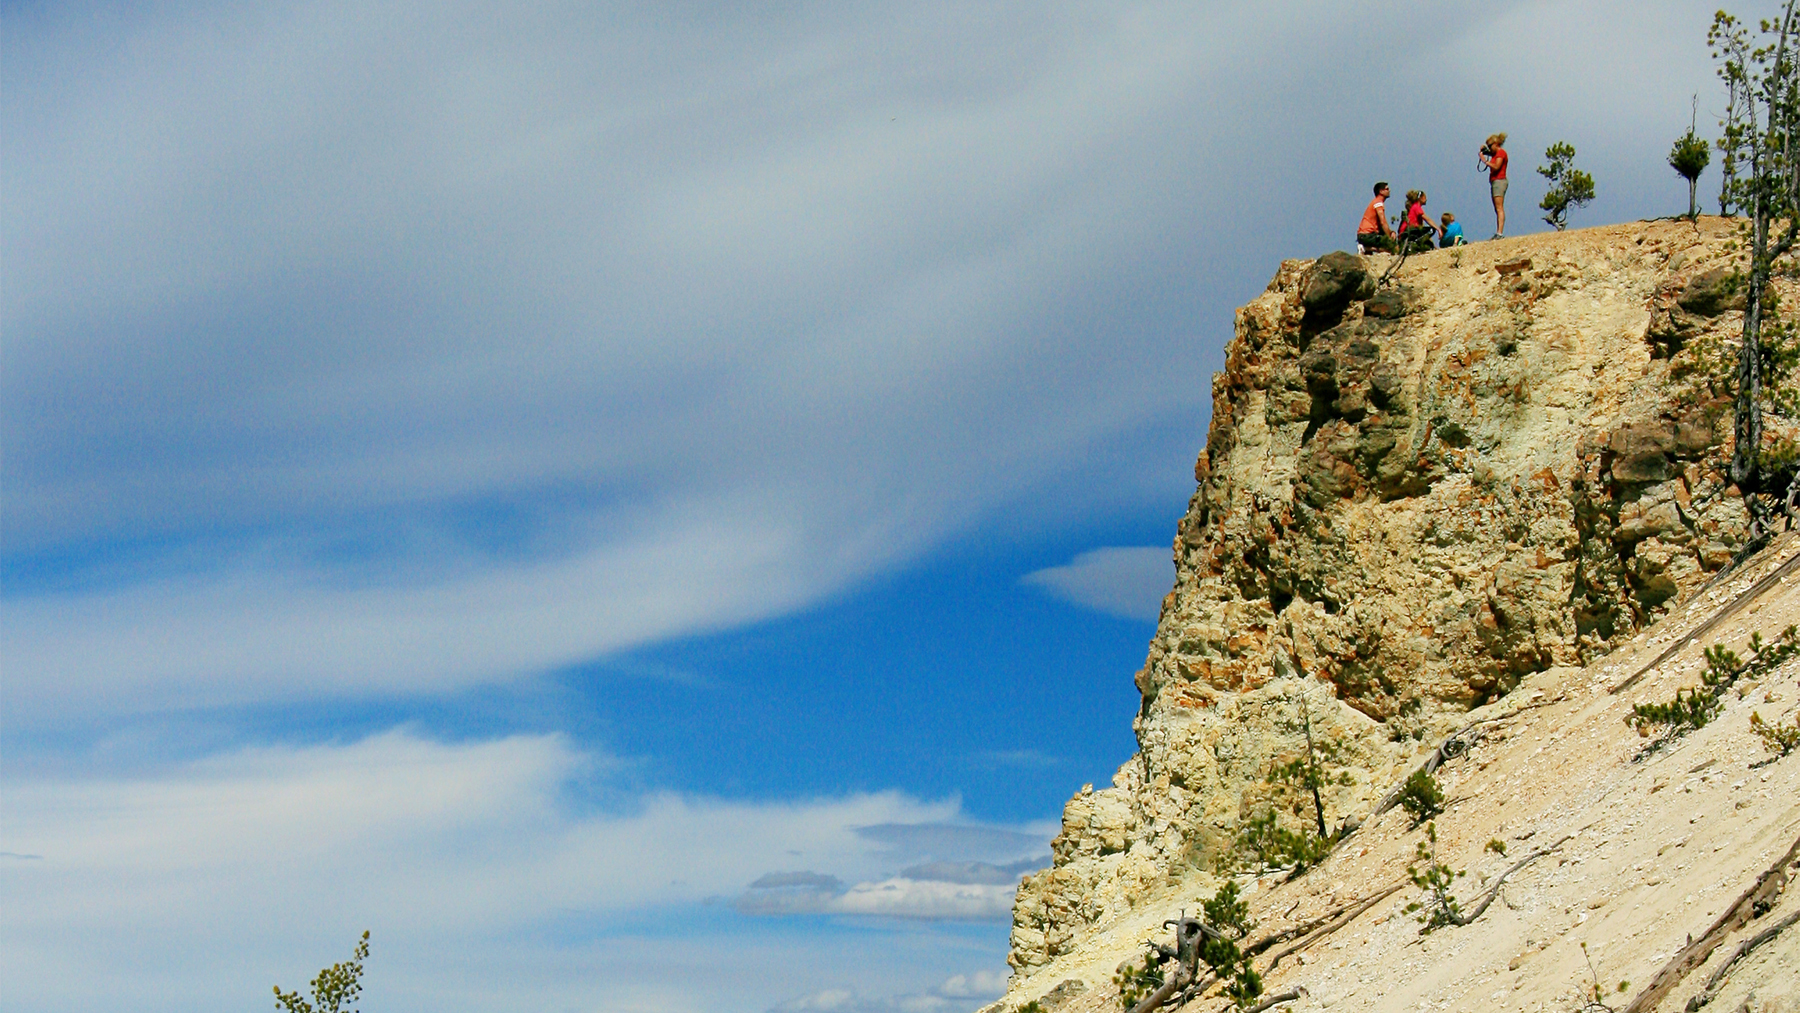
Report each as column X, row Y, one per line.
column 1135, row 983
column 1695, row 707
column 1778, row 737
column 1439, row 907
column 1689, row 158
column 1569, row 187
column 1421, row 797
column 1229, row 916
column 334, row 989
column 1596, row 994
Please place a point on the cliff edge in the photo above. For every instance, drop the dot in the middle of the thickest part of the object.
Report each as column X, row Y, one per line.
column 1415, row 499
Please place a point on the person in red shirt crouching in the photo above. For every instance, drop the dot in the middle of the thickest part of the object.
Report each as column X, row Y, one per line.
column 1418, row 232
column 1374, row 233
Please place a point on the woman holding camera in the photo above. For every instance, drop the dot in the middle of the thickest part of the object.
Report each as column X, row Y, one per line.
column 1493, row 159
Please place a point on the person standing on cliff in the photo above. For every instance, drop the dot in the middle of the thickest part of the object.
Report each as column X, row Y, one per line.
column 1493, row 159
column 1375, row 233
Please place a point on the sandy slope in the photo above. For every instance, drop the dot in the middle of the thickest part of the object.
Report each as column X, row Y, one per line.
column 1659, row 848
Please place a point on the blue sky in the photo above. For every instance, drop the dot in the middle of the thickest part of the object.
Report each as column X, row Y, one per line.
column 649, row 506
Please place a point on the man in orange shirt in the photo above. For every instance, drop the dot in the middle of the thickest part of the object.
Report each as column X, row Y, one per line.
column 1374, row 233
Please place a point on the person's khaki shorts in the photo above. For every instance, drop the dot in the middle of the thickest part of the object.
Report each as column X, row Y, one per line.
column 1499, row 187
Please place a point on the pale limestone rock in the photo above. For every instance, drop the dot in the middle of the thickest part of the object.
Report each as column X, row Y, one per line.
column 1410, row 501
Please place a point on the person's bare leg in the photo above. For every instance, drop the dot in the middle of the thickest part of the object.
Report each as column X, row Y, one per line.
column 1499, row 214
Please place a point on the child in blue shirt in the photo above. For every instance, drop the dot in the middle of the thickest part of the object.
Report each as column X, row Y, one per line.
column 1453, row 234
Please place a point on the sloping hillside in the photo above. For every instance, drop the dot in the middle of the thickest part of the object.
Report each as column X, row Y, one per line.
column 1653, row 851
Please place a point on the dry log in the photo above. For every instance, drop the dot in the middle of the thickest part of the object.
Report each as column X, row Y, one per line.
column 1277, row 999
column 1762, row 892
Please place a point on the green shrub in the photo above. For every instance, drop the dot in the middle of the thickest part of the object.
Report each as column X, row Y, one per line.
column 1229, row 915
column 1136, row 983
column 335, row 988
column 1569, row 186
column 1421, row 797
column 1438, row 907
column 1694, row 708
column 1263, row 845
column 1780, row 739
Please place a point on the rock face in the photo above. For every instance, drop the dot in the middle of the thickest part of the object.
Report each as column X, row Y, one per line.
column 1412, row 497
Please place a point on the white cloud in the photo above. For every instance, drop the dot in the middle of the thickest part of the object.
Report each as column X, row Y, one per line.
column 900, row 897
column 1128, row 582
column 260, row 633
column 981, row 984
column 309, row 291
column 226, row 875
column 954, row 994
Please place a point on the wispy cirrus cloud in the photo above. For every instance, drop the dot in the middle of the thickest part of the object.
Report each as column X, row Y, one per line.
column 219, row 876
column 1128, row 582
column 351, row 325
column 332, row 318
column 952, row 994
column 383, row 350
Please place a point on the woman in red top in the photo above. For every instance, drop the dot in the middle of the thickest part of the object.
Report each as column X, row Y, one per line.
column 1418, row 230
column 1493, row 159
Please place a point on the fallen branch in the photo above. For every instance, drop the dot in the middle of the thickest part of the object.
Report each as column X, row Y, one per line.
column 1725, row 612
column 1711, row 991
column 1455, row 745
column 1494, row 891
column 1319, row 928
column 1277, row 999
column 1761, row 893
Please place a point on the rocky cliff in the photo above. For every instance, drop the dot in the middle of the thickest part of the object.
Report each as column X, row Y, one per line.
column 1503, row 462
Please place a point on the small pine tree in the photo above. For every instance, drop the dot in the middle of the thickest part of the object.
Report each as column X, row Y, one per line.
column 1596, row 994
column 1689, row 158
column 335, row 988
column 1421, row 797
column 1780, row 738
column 1439, row 907
column 1694, row 708
column 1263, row 844
column 1229, row 915
column 1569, row 187
column 1136, row 983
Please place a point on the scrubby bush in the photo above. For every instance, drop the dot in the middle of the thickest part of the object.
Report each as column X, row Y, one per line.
column 1263, row 844
column 335, row 988
column 1694, row 707
column 1229, row 916
column 1777, row 737
column 1136, row 983
column 1569, row 187
column 1438, row 907
column 1421, row 797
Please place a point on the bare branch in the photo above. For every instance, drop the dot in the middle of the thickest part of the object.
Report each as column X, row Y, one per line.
column 1494, row 891
column 1695, row 953
column 1297, row 992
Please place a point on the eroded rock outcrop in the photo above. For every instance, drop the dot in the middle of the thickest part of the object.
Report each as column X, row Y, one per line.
column 1412, row 498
